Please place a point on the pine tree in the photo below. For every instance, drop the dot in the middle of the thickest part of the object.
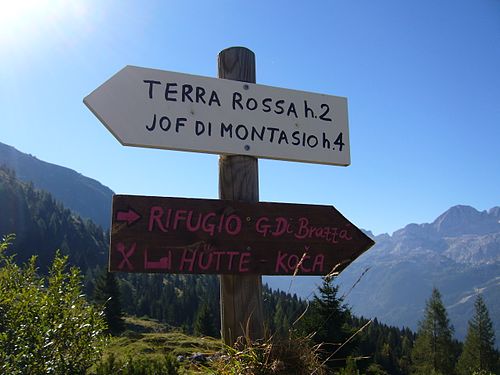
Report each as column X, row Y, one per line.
column 107, row 294
column 327, row 318
column 479, row 352
column 350, row 368
column 204, row 322
column 433, row 349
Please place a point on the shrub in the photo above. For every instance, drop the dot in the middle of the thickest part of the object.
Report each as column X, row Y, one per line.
column 46, row 325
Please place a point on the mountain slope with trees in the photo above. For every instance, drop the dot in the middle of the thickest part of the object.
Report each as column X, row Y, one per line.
column 85, row 196
column 42, row 225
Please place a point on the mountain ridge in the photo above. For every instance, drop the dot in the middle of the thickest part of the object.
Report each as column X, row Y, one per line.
column 66, row 185
column 42, row 226
column 459, row 253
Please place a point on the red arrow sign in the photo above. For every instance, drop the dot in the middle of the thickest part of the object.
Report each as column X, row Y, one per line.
column 176, row 235
column 130, row 216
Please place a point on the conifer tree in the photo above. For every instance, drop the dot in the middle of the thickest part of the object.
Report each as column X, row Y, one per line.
column 479, row 354
column 327, row 318
column 350, row 368
column 107, row 294
column 433, row 349
column 204, row 322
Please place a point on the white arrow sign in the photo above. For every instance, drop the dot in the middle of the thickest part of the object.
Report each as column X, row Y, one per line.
column 159, row 109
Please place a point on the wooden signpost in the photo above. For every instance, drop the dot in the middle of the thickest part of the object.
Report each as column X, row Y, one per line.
column 180, row 235
column 241, row 305
column 236, row 237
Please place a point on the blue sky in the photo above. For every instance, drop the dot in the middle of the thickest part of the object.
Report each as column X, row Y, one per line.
column 422, row 79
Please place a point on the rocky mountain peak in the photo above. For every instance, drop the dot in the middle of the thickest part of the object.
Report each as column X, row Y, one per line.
column 463, row 220
column 495, row 212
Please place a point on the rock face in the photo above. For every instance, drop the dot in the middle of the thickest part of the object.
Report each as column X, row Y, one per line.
column 459, row 253
column 88, row 197
column 463, row 220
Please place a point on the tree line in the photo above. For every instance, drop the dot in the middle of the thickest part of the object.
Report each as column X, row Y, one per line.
column 347, row 344
column 355, row 345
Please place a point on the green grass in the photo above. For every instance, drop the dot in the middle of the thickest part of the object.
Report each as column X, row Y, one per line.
column 159, row 344
column 145, row 325
column 148, row 338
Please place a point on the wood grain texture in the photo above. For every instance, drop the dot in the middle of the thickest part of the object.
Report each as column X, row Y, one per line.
column 241, row 296
column 237, row 64
column 239, row 178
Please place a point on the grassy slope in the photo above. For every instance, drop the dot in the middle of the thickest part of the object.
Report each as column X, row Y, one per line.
column 149, row 338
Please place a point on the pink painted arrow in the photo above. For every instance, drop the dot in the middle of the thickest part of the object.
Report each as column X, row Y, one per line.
column 129, row 216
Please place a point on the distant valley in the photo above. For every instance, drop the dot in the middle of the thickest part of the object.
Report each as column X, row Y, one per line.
column 459, row 253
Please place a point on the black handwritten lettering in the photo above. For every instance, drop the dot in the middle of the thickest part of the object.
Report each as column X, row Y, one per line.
column 199, row 127
column 291, row 109
column 326, row 141
column 181, row 121
column 228, row 129
column 283, row 137
column 186, row 93
column 312, row 141
column 151, row 83
column 255, row 133
column 237, row 100
column 153, row 125
column 200, row 93
column 308, row 112
column 303, row 143
column 241, row 132
column 326, row 110
column 338, row 142
column 168, row 91
column 251, row 104
column 214, row 99
column 267, row 107
column 165, row 128
column 296, row 139
column 279, row 106
column 273, row 131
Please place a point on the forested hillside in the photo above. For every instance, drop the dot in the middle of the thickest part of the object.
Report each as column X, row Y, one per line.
column 186, row 302
column 42, row 226
column 67, row 186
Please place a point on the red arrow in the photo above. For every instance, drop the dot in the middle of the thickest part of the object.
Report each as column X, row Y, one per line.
column 232, row 237
column 129, row 216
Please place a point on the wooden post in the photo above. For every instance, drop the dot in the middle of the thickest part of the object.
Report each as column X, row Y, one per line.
column 240, row 295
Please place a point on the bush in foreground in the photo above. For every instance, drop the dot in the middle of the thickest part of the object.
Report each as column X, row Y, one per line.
column 46, row 325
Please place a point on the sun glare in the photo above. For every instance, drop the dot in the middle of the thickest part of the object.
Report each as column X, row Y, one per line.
column 22, row 20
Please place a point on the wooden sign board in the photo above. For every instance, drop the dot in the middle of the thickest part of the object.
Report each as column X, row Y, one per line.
column 178, row 235
column 160, row 109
